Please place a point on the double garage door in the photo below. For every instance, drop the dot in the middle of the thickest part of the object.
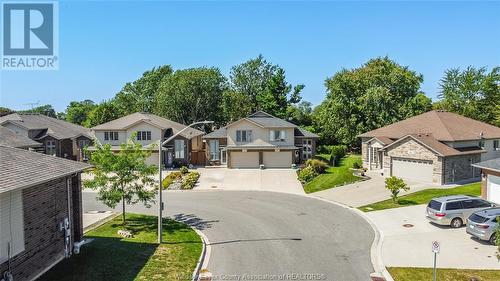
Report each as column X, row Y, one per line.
column 493, row 189
column 270, row 159
column 413, row 169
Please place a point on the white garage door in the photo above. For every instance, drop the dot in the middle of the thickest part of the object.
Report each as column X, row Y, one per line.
column 277, row 159
column 493, row 189
column 244, row 159
column 420, row 170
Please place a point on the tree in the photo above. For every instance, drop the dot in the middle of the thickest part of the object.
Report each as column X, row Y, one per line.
column 300, row 114
column 265, row 86
column 5, row 111
column 122, row 176
column 191, row 95
column 102, row 113
column 46, row 109
column 395, row 185
column 77, row 112
column 358, row 100
column 472, row 92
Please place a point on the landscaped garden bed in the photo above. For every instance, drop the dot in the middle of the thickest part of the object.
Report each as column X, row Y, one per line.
column 182, row 179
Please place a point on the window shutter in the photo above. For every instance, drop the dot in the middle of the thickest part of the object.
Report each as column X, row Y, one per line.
column 11, row 220
column 283, row 134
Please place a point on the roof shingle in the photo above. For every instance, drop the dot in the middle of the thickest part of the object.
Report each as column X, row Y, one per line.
column 10, row 138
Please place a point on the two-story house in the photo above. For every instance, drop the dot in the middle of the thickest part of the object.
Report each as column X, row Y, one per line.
column 436, row 146
column 149, row 129
column 58, row 137
column 260, row 139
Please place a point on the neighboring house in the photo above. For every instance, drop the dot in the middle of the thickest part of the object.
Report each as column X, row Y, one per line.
column 490, row 183
column 436, row 147
column 186, row 148
column 260, row 139
column 10, row 138
column 40, row 211
column 58, row 137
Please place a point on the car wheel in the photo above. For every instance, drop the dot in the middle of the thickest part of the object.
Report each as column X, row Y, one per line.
column 493, row 239
column 456, row 222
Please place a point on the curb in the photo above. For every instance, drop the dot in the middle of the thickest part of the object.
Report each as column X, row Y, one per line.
column 100, row 222
column 204, row 257
column 376, row 248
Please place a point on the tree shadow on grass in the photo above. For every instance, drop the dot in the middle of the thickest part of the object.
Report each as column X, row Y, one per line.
column 406, row 202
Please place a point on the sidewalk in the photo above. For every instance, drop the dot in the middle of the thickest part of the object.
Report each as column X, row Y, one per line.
column 95, row 218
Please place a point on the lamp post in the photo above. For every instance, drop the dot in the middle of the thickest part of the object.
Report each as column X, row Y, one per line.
column 160, row 163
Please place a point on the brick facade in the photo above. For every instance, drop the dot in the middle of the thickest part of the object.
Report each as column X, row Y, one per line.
column 459, row 168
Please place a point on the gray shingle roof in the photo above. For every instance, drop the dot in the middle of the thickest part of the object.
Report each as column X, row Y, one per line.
column 56, row 128
column 10, row 138
column 126, row 121
column 217, row 134
column 303, row 133
column 22, row 168
column 493, row 164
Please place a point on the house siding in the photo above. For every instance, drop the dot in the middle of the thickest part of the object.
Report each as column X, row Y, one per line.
column 44, row 207
column 260, row 136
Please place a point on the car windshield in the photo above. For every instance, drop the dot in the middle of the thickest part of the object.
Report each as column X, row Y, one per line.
column 477, row 218
column 435, row 205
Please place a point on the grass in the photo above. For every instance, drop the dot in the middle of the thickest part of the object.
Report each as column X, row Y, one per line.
column 445, row 274
column 334, row 176
column 423, row 197
column 112, row 257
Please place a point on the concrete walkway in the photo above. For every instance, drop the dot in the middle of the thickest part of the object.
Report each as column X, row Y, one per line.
column 92, row 218
column 369, row 191
column 411, row 246
column 279, row 180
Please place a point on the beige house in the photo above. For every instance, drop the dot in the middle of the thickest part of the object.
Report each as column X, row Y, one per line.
column 435, row 147
column 186, row 148
column 260, row 139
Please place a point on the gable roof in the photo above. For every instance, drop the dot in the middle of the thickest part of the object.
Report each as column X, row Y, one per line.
column 162, row 123
column 303, row 133
column 436, row 146
column 217, row 134
column 444, row 126
column 493, row 165
column 56, row 128
column 22, row 168
column 10, row 138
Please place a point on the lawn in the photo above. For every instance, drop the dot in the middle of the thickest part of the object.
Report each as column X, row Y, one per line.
column 334, row 176
column 423, row 197
column 411, row 274
column 111, row 257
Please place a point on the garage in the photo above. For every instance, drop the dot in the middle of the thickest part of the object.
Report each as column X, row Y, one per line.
column 273, row 159
column 413, row 169
column 244, row 159
column 493, row 187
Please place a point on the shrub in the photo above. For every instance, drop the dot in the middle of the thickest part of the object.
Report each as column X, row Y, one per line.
column 395, row 185
column 170, row 178
column 184, row 170
column 307, row 174
column 190, row 180
column 356, row 165
column 338, row 152
column 318, row 166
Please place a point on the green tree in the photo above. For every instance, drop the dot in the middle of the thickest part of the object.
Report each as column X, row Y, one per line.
column 300, row 114
column 5, row 111
column 102, row 113
column 46, row 109
column 395, row 185
column 236, row 105
column 191, row 95
column 77, row 111
column 122, row 176
column 472, row 92
column 379, row 93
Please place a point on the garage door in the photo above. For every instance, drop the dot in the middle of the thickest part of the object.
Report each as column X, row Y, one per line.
column 412, row 169
column 277, row 159
column 244, row 159
column 493, row 189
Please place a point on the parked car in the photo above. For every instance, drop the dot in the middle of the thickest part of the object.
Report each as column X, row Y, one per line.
column 455, row 209
column 483, row 225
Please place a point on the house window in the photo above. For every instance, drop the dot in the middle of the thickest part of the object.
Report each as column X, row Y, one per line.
column 243, row 135
column 214, row 150
column 179, row 149
column 495, row 145
column 143, row 135
column 481, row 144
column 50, row 147
column 111, row 136
column 11, row 224
column 277, row 135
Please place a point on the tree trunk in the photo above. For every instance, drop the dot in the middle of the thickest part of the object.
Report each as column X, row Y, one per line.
column 123, row 210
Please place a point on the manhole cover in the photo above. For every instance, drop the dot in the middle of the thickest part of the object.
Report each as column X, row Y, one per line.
column 408, row 225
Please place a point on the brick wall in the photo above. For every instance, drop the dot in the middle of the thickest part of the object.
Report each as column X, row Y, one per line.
column 457, row 168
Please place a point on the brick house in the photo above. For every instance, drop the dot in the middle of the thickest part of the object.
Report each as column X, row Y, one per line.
column 58, row 137
column 436, row 147
column 40, row 211
column 490, row 181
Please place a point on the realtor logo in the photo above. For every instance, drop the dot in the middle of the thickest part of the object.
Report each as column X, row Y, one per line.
column 29, row 35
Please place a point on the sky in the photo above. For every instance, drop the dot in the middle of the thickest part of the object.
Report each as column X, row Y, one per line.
column 104, row 44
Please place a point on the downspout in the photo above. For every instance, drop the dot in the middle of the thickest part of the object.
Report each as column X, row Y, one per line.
column 370, row 157
column 67, row 227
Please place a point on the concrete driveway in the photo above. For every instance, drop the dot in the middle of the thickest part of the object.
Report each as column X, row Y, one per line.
column 278, row 180
column 411, row 246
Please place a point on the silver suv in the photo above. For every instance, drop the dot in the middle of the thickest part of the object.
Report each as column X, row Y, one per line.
column 483, row 225
column 455, row 209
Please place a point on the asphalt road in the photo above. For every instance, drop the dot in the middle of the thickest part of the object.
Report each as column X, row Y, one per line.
column 263, row 235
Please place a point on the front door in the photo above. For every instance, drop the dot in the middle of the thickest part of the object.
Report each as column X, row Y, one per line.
column 223, row 156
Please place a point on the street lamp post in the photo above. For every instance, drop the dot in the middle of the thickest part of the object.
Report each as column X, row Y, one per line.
column 160, row 163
